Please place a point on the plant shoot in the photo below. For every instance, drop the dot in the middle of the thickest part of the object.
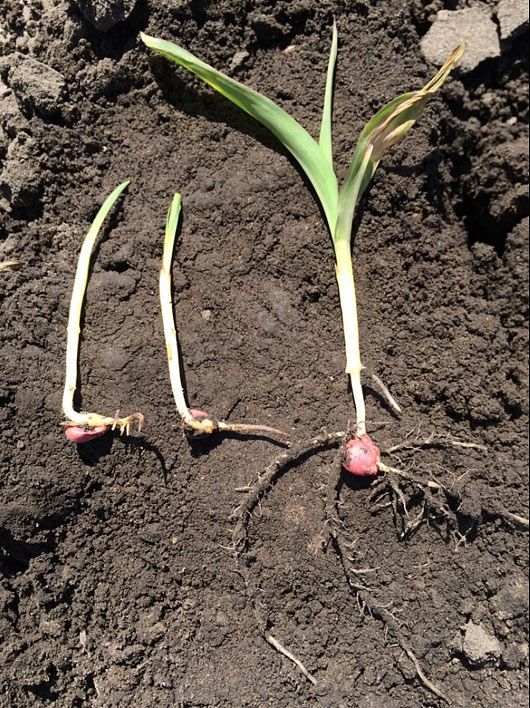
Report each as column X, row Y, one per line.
column 194, row 421
column 383, row 130
column 81, row 427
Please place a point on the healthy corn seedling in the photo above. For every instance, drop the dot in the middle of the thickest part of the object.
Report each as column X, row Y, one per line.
column 194, row 421
column 81, row 427
column 386, row 127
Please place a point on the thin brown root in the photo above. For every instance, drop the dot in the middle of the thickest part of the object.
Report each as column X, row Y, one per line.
column 467, row 445
column 436, row 440
column 403, row 520
column 201, row 425
column 366, row 606
column 391, row 623
column 425, row 681
column 508, row 516
column 411, row 477
column 386, row 393
column 496, row 510
column 279, row 647
column 243, row 514
column 333, row 524
column 252, row 429
column 271, row 473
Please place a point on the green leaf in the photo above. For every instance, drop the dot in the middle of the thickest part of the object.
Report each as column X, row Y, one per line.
column 326, row 140
column 104, row 211
column 172, row 220
column 382, row 131
column 291, row 134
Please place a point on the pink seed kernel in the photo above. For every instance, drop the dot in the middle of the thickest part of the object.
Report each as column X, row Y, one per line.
column 81, row 435
column 361, row 456
column 199, row 414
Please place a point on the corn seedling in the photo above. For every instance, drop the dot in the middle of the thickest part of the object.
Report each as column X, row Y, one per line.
column 81, row 427
column 382, row 131
column 194, row 421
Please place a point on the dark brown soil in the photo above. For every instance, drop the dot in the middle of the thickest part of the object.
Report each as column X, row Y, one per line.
column 119, row 584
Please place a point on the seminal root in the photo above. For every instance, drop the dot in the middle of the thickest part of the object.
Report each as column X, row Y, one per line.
column 268, row 478
column 198, row 423
column 335, row 530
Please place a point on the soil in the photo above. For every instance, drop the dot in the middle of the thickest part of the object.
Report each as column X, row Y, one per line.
column 119, row 582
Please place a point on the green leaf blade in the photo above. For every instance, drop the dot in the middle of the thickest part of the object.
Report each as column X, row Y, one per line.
column 384, row 129
column 172, row 220
column 105, row 209
column 289, row 132
column 326, row 137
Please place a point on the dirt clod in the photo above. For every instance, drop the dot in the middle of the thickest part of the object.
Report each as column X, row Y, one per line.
column 104, row 14
column 479, row 646
column 473, row 25
column 39, row 88
column 20, row 179
column 511, row 602
column 513, row 17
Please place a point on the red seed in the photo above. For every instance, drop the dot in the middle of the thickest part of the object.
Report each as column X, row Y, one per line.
column 361, row 456
column 80, row 435
column 198, row 414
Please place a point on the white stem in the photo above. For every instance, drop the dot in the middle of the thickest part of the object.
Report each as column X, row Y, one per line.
column 76, row 306
column 166, row 305
column 74, row 319
column 348, row 304
column 203, row 425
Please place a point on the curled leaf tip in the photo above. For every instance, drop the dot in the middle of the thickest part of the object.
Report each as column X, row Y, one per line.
column 449, row 64
column 393, row 125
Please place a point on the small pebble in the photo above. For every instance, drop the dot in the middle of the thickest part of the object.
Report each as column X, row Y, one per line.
column 238, row 59
column 206, row 314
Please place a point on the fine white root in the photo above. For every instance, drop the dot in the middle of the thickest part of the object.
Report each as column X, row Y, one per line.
column 385, row 392
column 193, row 422
column 81, row 419
column 387, row 469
